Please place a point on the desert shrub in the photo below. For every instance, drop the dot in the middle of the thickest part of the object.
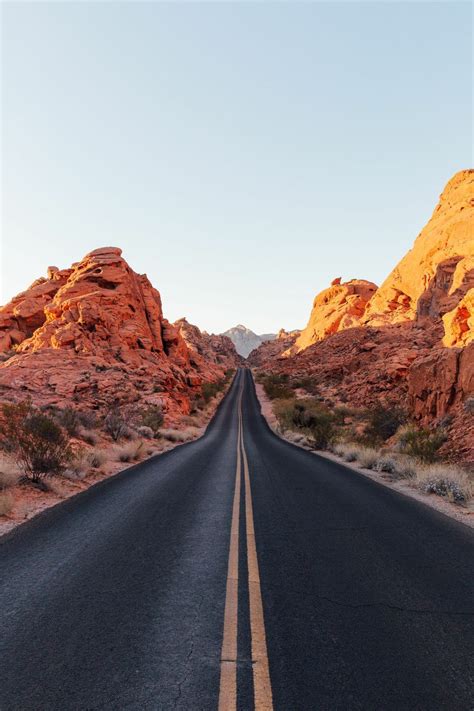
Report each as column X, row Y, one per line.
column 10, row 473
column 183, row 435
column 469, row 405
column 386, row 464
column 188, row 420
column 88, row 436
column 406, row 468
column 383, row 422
column 446, row 480
column 276, row 387
column 54, row 487
column 368, row 457
column 422, row 443
column 284, row 411
column 321, row 429
column 152, row 417
column 96, row 458
column 229, row 374
column 69, row 420
column 39, row 443
column 210, row 390
column 340, row 413
column 88, row 419
column 348, row 452
column 6, row 502
column 198, row 404
column 446, row 421
column 115, row 424
column 305, row 383
column 130, row 452
column 310, row 417
column 145, row 432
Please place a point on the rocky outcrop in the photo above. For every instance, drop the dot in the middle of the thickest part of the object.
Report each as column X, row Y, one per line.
column 339, row 307
column 438, row 271
column 411, row 341
column 273, row 349
column 26, row 312
column 459, row 323
column 440, row 380
column 94, row 335
column 208, row 348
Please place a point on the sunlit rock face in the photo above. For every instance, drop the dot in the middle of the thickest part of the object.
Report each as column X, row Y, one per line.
column 340, row 306
column 438, row 272
column 95, row 334
column 409, row 342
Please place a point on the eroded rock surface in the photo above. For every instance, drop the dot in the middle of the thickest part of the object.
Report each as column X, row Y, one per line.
column 95, row 334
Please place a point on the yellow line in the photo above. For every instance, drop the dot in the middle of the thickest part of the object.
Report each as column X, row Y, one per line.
column 261, row 675
column 228, row 680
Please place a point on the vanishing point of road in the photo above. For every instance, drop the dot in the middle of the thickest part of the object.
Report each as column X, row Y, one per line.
column 237, row 572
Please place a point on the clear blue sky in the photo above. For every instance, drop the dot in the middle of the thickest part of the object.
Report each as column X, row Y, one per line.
column 241, row 154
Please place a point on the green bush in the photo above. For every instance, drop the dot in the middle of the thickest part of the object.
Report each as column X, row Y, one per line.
column 383, row 423
column 210, row 390
column 310, row 417
column 322, row 430
column 421, row 442
column 276, row 387
column 152, row 417
column 305, row 383
column 39, row 443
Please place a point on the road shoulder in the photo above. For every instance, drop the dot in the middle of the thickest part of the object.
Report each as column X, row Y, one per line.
column 464, row 515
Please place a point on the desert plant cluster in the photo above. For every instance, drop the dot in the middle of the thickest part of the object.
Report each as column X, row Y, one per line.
column 380, row 438
column 43, row 448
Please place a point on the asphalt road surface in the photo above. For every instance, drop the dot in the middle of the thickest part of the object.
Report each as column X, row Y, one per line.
column 237, row 572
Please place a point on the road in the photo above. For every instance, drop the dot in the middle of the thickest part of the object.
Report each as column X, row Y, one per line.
column 234, row 568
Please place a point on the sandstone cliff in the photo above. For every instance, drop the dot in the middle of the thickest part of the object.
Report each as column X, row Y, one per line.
column 410, row 341
column 339, row 307
column 438, row 272
column 95, row 334
column 208, row 348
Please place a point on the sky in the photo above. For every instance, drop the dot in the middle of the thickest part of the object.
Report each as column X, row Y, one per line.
column 242, row 154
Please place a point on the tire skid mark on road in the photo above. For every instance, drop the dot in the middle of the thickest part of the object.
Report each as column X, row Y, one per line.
column 261, row 674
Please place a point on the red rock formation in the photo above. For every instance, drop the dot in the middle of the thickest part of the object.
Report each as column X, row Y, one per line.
column 339, row 307
column 95, row 334
column 271, row 350
column 207, row 348
column 409, row 342
column 459, row 323
column 439, row 270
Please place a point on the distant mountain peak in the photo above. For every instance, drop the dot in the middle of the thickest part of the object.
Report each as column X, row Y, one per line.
column 245, row 340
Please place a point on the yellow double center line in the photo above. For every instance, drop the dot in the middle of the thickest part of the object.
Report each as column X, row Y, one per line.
column 261, row 675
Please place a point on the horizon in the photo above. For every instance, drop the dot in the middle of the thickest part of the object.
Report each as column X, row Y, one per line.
column 242, row 156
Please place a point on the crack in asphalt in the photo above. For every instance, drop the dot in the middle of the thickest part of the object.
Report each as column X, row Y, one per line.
column 189, row 656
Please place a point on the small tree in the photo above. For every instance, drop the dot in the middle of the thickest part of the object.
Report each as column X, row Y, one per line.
column 39, row 443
